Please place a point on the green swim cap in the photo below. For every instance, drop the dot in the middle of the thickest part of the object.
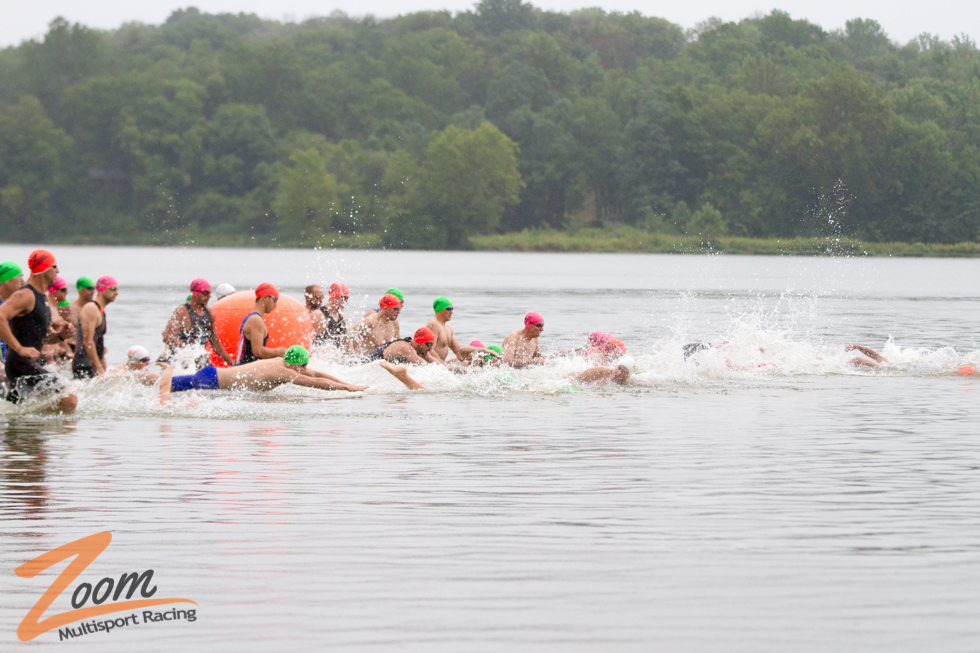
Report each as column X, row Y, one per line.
column 63, row 303
column 441, row 304
column 297, row 355
column 496, row 348
column 397, row 293
column 9, row 270
column 84, row 282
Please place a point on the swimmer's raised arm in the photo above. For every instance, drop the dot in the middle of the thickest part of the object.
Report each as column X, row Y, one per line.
column 867, row 351
column 166, row 378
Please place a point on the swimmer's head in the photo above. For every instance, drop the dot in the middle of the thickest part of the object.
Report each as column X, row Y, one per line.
column 314, row 296
column 9, row 271
column 497, row 349
column 40, row 261
column 534, row 319
column 441, row 304
column 107, row 284
column 390, row 305
column 223, row 290
column 267, row 290
column 137, row 356
column 339, row 291
column 84, row 283
column 58, row 285
column 628, row 363
column 397, row 293
column 477, row 343
column 64, row 303
column 614, row 347
column 200, row 286
column 424, row 338
column 598, row 337
column 297, row 355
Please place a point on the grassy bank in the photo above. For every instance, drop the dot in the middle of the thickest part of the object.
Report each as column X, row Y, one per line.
column 629, row 239
column 616, row 239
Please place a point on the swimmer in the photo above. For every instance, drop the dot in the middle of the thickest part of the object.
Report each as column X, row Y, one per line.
column 262, row 375
column 445, row 338
column 602, row 374
column 11, row 280
column 223, row 290
column 25, row 322
column 521, row 346
column 493, row 357
column 329, row 324
column 58, row 302
column 86, row 291
column 377, row 328
column 254, row 334
column 391, row 291
column 192, row 323
column 334, row 312
column 417, row 350
column 137, row 360
column 867, row 357
column 89, row 360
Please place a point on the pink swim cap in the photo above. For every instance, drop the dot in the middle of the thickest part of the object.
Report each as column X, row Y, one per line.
column 477, row 343
column 598, row 337
column 533, row 318
column 105, row 282
column 199, row 285
column 59, row 284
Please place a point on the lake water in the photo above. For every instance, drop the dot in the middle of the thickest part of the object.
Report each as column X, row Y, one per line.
column 713, row 504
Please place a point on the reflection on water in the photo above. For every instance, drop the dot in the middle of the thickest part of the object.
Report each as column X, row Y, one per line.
column 23, row 457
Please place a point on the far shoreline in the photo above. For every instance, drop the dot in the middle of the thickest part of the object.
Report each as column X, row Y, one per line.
column 622, row 239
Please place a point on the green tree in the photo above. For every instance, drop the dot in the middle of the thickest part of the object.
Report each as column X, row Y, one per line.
column 308, row 197
column 468, row 178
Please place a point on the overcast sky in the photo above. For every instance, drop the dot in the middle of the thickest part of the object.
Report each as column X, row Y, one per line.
column 901, row 19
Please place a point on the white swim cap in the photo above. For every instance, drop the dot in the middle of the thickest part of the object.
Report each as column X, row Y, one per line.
column 224, row 290
column 137, row 353
column 628, row 363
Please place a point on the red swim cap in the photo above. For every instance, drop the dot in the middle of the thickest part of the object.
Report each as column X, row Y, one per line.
column 199, row 285
column 423, row 336
column 598, row 337
column 339, row 290
column 266, row 290
column 40, row 260
column 104, row 282
column 614, row 346
column 389, row 301
column 533, row 318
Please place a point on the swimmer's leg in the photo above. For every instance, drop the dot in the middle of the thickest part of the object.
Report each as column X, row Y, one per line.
column 400, row 372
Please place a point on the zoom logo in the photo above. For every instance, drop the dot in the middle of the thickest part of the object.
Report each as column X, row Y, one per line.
column 108, row 596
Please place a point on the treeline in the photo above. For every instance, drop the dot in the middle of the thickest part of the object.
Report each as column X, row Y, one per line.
column 430, row 128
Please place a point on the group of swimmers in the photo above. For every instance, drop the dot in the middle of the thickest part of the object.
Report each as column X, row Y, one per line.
column 40, row 328
column 38, row 325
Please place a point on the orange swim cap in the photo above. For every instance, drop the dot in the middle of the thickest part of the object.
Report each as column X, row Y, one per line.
column 390, row 301
column 40, row 260
column 423, row 336
column 339, row 290
column 266, row 290
column 967, row 370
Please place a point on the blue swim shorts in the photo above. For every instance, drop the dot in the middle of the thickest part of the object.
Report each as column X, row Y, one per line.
column 204, row 379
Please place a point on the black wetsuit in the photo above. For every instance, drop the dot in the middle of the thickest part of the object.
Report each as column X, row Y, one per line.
column 201, row 326
column 82, row 366
column 335, row 331
column 378, row 353
column 31, row 330
column 245, row 354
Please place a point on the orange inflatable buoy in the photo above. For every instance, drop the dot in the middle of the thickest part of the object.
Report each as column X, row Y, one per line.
column 967, row 370
column 289, row 324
